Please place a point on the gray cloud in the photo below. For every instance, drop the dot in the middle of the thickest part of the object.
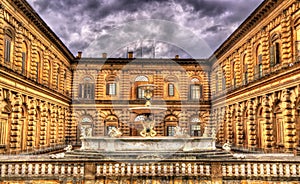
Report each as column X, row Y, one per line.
column 79, row 23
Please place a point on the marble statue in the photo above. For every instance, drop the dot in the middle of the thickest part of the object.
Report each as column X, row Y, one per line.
column 115, row 132
column 180, row 132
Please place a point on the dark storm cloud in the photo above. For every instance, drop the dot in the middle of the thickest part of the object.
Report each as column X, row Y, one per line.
column 79, row 22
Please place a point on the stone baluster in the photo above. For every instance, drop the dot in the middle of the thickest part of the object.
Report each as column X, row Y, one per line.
column 189, row 168
column 69, row 170
column 255, row 169
column 30, row 169
column 129, row 169
column 166, row 170
column 243, row 170
column 183, row 165
column 274, row 170
column 122, row 169
column 10, row 168
column 110, row 169
column 117, row 169
column 201, row 169
column 23, row 169
column 43, row 169
column 224, row 170
column 177, row 169
column 75, row 170
column 36, row 169
column 62, row 169
column 195, row 169
column 261, row 169
column 280, row 169
column 159, row 169
column 49, row 171
column 171, row 169
column 17, row 167
column 141, row 169
column 236, row 169
column 207, row 170
column 287, row 170
column 294, row 170
column 82, row 170
column 134, row 170
column 268, row 170
column 3, row 170
column 229, row 173
column 56, row 169
column 98, row 170
column 249, row 170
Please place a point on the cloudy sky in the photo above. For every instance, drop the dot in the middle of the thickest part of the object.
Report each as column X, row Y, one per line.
column 150, row 28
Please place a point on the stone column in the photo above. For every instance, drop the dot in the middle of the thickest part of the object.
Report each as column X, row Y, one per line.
column 33, row 63
column 18, row 49
column 43, row 128
column 252, row 126
column 265, row 50
column 267, row 136
column 46, row 68
column 31, row 124
column 53, row 129
column 228, row 125
column 15, row 129
column 250, row 61
column 286, row 38
column 289, row 124
column 221, row 122
column 239, row 126
column 2, row 8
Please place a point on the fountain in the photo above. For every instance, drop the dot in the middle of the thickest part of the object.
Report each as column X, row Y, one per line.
column 149, row 141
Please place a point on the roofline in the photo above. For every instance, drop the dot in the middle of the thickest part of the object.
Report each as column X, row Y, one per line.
column 31, row 14
column 253, row 19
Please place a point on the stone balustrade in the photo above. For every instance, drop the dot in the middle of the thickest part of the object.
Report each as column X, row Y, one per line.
column 103, row 169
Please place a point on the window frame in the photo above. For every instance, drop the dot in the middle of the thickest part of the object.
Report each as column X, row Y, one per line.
column 171, row 89
column 194, row 93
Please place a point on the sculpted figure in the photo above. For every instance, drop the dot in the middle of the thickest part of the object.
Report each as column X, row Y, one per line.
column 115, row 132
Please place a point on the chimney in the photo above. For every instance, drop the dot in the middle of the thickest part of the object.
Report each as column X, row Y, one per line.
column 104, row 55
column 79, row 54
column 130, row 55
column 177, row 56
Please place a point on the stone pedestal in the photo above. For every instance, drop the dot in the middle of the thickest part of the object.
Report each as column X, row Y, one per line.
column 153, row 144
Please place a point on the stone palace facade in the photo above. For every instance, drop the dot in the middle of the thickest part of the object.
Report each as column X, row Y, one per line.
column 247, row 93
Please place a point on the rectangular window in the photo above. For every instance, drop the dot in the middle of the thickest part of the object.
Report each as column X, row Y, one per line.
column 7, row 50
column 223, row 83
column 37, row 72
column 171, row 89
column 195, row 91
column 3, row 131
column 260, row 70
column 195, row 130
column 23, row 62
column 170, row 130
column 140, row 93
column 277, row 53
column 245, row 81
column 298, row 50
column 111, row 89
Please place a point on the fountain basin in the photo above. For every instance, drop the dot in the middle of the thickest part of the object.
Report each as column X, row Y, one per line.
column 153, row 144
column 147, row 110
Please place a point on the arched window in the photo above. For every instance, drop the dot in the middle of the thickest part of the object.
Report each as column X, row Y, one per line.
column 245, row 69
column 111, row 122
column 278, row 127
column 170, row 123
column 297, row 39
column 259, row 125
column 258, row 72
column 38, row 64
column 139, row 80
column 111, row 86
column 275, row 50
column 8, row 40
column 195, row 89
column 86, row 89
column 196, row 129
column 217, row 82
column 5, row 118
column 24, row 57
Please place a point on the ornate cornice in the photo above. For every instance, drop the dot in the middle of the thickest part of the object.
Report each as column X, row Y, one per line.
column 31, row 14
column 256, row 17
